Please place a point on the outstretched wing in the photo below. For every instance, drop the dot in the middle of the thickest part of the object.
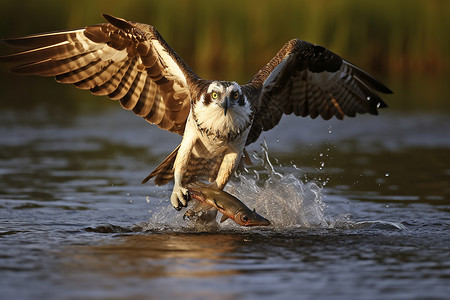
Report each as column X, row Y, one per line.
column 306, row 79
column 125, row 61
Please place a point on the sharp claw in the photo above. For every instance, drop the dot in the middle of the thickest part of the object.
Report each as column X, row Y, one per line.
column 187, row 196
column 179, row 198
column 188, row 214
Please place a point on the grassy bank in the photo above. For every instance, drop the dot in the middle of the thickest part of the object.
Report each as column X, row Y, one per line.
column 233, row 39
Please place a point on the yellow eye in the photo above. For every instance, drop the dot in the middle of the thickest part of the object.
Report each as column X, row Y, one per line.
column 214, row 95
column 235, row 95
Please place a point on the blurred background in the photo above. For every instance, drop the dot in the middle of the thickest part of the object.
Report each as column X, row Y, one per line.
column 404, row 43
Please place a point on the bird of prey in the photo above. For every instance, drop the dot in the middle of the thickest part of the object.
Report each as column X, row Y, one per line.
column 132, row 63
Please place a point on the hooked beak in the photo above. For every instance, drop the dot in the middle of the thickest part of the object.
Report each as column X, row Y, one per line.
column 225, row 105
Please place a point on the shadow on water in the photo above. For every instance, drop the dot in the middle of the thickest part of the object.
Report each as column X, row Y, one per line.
column 260, row 263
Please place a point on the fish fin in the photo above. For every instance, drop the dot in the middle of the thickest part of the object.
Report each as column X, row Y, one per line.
column 224, row 217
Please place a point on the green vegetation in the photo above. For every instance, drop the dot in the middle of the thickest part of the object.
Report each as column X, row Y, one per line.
column 396, row 40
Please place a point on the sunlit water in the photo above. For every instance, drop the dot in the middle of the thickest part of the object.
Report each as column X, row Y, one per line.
column 359, row 210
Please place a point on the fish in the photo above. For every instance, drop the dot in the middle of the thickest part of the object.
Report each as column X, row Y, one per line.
column 230, row 206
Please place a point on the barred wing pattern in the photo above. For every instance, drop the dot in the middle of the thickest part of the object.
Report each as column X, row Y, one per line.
column 306, row 79
column 125, row 61
column 202, row 165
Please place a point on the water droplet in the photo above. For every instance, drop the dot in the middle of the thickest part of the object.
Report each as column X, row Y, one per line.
column 296, row 167
column 321, row 154
column 387, row 174
column 147, row 199
column 368, row 98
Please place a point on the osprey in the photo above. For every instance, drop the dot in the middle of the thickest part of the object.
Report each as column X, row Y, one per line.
column 132, row 63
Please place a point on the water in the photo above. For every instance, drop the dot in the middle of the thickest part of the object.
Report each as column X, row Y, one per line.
column 359, row 210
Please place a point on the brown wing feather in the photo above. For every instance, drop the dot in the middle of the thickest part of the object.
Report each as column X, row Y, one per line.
column 305, row 79
column 126, row 61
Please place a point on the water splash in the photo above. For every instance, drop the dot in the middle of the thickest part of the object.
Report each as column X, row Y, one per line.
column 285, row 200
column 165, row 218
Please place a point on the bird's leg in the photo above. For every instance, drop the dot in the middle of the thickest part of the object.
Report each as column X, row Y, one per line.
column 180, row 196
column 229, row 163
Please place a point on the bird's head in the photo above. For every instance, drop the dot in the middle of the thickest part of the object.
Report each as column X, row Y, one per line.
column 222, row 107
column 224, row 95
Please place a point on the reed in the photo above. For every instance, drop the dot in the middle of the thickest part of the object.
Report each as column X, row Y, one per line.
column 233, row 39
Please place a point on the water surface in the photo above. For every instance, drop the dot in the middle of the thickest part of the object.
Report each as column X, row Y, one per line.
column 360, row 209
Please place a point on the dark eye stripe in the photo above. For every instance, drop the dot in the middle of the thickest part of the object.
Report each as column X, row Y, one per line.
column 207, row 99
column 241, row 101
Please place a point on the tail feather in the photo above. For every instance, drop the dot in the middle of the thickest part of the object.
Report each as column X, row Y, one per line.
column 164, row 172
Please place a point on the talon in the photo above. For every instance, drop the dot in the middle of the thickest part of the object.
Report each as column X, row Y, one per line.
column 179, row 197
column 187, row 196
column 187, row 215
